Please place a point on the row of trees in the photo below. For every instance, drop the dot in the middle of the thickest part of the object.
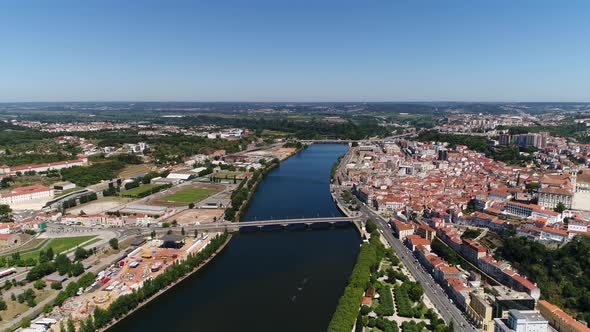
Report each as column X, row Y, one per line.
column 241, row 196
column 348, row 306
column 385, row 307
column 88, row 198
column 48, row 264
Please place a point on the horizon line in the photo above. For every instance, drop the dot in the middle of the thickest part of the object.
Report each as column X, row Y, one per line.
column 295, row 102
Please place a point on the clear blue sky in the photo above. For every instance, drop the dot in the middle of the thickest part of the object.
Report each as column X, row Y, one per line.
column 295, row 50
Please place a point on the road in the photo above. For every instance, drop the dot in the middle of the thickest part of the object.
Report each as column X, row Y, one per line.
column 447, row 309
column 36, row 310
column 435, row 293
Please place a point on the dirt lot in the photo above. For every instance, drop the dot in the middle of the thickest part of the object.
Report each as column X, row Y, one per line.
column 131, row 170
column 201, row 216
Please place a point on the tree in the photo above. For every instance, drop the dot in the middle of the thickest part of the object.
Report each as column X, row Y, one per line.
column 359, row 323
column 415, row 292
column 196, row 233
column 191, row 206
column 5, row 213
column 62, row 264
column 114, row 243
column 81, row 253
column 370, row 226
column 71, row 326
column 39, row 284
column 49, row 253
column 56, row 285
column 77, row 269
column 25, row 322
column 182, row 231
column 559, row 208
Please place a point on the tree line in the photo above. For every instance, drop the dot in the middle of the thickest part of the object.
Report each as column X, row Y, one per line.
column 240, row 197
column 360, row 279
column 126, row 303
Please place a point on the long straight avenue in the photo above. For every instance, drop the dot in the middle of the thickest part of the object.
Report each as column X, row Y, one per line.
column 447, row 309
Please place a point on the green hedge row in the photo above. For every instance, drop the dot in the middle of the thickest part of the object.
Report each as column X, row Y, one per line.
column 402, row 299
column 385, row 307
column 348, row 306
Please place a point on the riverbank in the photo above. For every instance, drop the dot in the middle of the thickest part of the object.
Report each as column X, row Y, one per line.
column 244, row 205
column 254, row 187
column 347, row 310
column 167, row 288
column 278, row 273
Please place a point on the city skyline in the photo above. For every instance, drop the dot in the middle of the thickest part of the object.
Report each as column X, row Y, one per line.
column 269, row 51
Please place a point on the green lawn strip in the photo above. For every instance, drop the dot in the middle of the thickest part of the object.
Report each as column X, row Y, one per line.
column 59, row 245
column 190, row 195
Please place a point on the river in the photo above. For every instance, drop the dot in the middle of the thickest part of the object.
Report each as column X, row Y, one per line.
column 267, row 280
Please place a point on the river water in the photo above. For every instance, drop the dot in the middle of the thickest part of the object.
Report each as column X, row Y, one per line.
column 267, row 280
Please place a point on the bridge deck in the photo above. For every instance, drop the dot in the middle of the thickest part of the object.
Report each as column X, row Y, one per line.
column 261, row 223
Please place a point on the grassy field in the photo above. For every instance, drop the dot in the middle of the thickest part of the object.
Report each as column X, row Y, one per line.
column 190, row 195
column 59, row 245
column 136, row 192
column 131, row 170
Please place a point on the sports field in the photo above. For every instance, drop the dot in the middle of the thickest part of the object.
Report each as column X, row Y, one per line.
column 190, row 195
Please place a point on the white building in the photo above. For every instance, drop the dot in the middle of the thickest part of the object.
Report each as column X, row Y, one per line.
column 577, row 226
column 521, row 321
column 28, row 193
column 42, row 167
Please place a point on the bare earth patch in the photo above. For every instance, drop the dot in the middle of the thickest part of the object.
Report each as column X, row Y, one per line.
column 194, row 216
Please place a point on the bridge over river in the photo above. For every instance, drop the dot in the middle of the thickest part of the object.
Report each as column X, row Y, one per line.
column 236, row 226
